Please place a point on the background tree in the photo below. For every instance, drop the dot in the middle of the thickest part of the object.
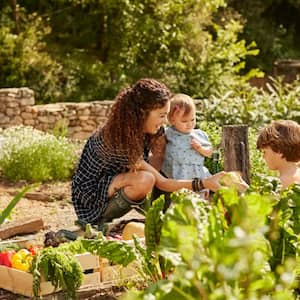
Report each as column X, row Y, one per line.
column 89, row 49
column 274, row 25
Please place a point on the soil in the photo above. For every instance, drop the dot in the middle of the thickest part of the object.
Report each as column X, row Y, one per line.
column 52, row 203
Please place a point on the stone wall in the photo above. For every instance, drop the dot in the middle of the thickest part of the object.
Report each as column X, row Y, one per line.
column 17, row 107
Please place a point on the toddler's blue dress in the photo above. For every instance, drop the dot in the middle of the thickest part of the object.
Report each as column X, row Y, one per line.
column 181, row 161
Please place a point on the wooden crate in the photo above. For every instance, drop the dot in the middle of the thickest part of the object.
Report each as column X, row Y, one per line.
column 117, row 274
column 20, row 282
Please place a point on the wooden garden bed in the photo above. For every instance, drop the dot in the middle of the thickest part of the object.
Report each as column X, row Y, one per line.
column 20, row 282
column 98, row 273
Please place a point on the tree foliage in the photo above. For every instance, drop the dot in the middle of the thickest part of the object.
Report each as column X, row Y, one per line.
column 24, row 60
column 89, row 49
column 274, row 25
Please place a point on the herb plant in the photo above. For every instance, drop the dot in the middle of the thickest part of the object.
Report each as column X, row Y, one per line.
column 30, row 154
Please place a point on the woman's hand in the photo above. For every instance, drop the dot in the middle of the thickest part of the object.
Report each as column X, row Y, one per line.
column 212, row 182
column 172, row 185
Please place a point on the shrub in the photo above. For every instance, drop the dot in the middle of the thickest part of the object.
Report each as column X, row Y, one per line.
column 29, row 154
column 254, row 107
column 215, row 162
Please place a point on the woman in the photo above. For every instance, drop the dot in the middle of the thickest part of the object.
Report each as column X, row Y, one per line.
column 114, row 173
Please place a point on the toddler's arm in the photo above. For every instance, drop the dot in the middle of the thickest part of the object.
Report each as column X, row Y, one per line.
column 203, row 150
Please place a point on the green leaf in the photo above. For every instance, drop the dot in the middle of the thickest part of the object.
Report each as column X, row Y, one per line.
column 7, row 211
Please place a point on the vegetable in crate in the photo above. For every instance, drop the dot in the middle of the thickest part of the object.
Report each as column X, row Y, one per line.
column 5, row 257
column 33, row 249
column 22, row 260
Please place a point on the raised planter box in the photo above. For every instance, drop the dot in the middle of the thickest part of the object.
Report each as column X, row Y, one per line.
column 101, row 274
column 117, row 274
column 20, row 282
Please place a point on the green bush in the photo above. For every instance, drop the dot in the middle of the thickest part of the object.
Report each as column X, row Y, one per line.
column 214, row 131
column 29, row 154
column 72, row 55
column 254, row 107
column 24, row 60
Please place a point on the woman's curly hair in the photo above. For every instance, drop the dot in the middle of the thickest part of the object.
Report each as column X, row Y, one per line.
column 123, row 131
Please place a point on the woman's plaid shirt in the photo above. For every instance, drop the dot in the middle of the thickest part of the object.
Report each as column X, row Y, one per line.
column 96, row 169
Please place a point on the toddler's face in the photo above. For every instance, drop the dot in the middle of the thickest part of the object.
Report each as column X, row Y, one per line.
column 184, row 123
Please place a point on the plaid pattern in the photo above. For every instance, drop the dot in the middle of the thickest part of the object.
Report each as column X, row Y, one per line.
column 96, row 169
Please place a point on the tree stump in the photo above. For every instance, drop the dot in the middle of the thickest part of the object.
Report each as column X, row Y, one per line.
column 288, row 68
column 236, row 150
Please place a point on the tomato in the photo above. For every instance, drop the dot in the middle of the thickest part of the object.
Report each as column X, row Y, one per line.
column 33, row 249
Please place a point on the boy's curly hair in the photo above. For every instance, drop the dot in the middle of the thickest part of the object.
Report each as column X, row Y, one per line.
column 282, row 136
column 123, row 131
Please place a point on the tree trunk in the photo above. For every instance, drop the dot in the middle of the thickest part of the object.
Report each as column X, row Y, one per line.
column 236, row 150
column 14, row 7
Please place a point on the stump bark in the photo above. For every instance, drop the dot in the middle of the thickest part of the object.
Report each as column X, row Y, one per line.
column 236, row 150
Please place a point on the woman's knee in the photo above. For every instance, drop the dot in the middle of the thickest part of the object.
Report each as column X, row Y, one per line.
column 142, row 183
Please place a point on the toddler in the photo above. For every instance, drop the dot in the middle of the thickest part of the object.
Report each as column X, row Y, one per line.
column 280, row 143
column 186, row 146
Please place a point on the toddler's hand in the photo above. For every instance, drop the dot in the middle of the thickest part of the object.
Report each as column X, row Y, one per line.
column 196, row 145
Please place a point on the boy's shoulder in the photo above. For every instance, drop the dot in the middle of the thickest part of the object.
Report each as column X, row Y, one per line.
column 287, row 180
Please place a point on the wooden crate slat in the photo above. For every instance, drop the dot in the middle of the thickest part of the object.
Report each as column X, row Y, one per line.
column 20, row 282
column 88, row 261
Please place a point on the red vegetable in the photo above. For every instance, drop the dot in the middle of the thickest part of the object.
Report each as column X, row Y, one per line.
column 5, row 257
column 34, row 249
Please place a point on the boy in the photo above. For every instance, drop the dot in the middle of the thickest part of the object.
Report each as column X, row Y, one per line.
column 280, row 143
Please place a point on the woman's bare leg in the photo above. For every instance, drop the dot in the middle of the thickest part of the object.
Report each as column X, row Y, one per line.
column 136, row 185
column 126, row 191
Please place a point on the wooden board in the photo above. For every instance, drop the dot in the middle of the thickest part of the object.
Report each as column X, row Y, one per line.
column 21, row 227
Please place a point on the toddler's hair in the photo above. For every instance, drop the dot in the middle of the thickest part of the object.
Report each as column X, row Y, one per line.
column 180, row 103
column 282, row 136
